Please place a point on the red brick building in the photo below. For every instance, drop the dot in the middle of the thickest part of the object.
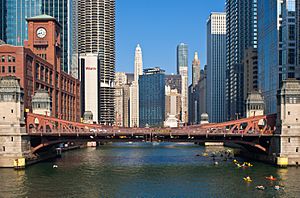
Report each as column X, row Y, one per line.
column 38, row 66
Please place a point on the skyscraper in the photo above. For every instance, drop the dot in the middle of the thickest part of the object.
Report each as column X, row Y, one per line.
column 216, row 67
column 134, row 88
column 182, row 69
column 192, row 94
column 195, row 70
column 241, row 33
column 152, row 98
column 96, row 47
column 13, row 26
column 277, row 47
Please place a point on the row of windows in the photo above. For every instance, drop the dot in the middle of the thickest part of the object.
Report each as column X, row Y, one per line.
column 9, row 59
column 10, row 69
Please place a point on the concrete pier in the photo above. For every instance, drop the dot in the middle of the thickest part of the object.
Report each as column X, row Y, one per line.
column 14, row 142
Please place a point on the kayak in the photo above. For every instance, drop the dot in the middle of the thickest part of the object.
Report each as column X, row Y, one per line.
column 260, row 187
column 271, row 178
column 247, row 180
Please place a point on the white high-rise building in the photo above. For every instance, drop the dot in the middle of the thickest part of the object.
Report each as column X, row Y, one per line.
column 134, row 88
column 96, row 48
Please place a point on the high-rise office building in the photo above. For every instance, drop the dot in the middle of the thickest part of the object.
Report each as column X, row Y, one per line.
column 195, row 70
column 250, row 72
column 120, row 82
column 134, row 88
column 182, row 69
column 96, row 47
column 298, row 37
column 13, row 26
column 192, row 94
column 216, row 66
column 277, row 47
column 152, row 98
column 241, row 33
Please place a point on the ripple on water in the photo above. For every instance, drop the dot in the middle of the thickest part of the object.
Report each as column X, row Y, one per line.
column 144, row 170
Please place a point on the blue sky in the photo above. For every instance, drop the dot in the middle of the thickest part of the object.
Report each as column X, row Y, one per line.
column 159, row 26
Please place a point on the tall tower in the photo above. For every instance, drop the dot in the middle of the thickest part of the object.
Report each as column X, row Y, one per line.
column 241, row 34
column 138, row 63
column 134, row 88
column 196, row 69
column 277, row 47
column 96, row 47
column 182, row 69
column 216, row 66
column 13, row 24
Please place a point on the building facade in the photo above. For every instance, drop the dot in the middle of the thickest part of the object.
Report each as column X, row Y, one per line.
column 241, row 33
column 134, row 88
column 96, row 38
column 38, row 66
column 277, row 48
column 250, row 72
column 192, row 94
column 152, row 98
column 216, row 67
column 182, row 69
column 202, row 90
column 120, row 82
column 195, row 70
column 13, row 25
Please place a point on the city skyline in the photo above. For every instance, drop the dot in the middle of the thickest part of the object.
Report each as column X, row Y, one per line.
column 159, row 33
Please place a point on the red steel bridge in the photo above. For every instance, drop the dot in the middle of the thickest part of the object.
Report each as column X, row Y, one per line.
column 252, row 133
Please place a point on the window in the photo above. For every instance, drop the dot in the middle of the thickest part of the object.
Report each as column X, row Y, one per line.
column 3, row 118
column 9, row 69
column 289, row 127
column 3, row 59
column 3, row 148
column 12, row 111
column 289, row 113
column 297, row 149
column 3, row 69
column 289, row 140
column 12, row 139
column 9, row 58
column 14, row 69
column 13, row 59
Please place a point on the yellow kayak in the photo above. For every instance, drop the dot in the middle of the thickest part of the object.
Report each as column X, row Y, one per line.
column 247, row 179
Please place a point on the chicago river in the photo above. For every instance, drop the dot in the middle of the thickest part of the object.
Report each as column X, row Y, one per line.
column 146, row 170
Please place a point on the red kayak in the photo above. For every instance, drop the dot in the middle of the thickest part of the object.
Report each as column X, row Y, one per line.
column 271, row 178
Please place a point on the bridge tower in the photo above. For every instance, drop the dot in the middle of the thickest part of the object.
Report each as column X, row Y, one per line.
column 14, row 142
column 41, row 103
column 288, row 123
column 254, row 104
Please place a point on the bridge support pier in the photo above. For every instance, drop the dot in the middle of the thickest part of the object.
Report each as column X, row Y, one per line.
column 14, row 142
column 287, row 137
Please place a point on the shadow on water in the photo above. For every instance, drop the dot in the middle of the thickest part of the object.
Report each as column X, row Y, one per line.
column 145, row 170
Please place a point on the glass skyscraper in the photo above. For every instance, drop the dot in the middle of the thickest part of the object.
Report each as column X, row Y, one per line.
column 152, row 98
column 182, row 69
column 13, row 26
column 241, row 34
column 182, row 56
column 216, row 67
column 277, row 47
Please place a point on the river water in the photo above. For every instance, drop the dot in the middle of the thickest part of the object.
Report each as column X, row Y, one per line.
column 145, row 170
